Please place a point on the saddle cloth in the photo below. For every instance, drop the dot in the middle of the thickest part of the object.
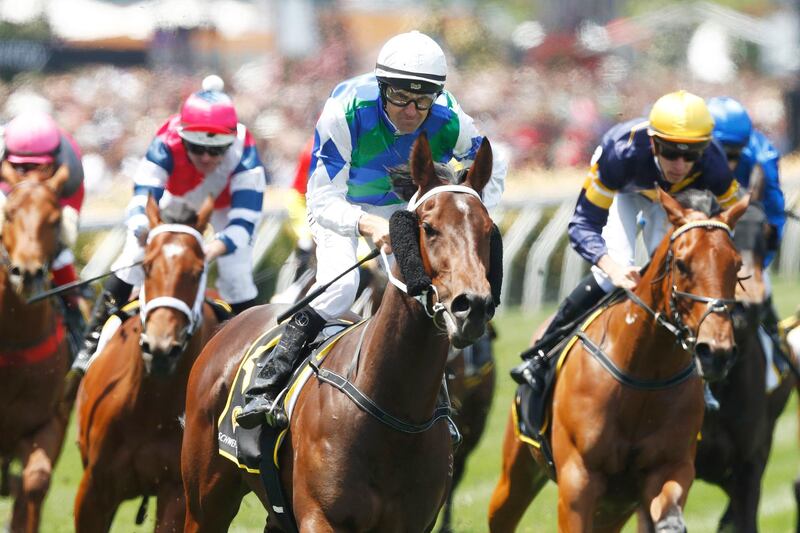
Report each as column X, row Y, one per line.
column 243, row 446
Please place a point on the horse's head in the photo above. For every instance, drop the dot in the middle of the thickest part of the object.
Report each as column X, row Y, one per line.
column 30, row 229
column 174, row 285
column 460, row 249
column 700, row 270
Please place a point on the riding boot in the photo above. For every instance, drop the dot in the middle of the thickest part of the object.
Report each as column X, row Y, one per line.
column 275, row 367
column 533, row 370
column 115, row 293
column 75, row 324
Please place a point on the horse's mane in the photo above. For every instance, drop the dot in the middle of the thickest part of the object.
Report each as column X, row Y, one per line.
column 178, row 213
column 699, row 200
column 404, row 186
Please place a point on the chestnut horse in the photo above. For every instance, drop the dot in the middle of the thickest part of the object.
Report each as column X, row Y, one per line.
column 737, row 438
column 133, row 394
column 627, row 440
column 342, row 468
column 33, row 348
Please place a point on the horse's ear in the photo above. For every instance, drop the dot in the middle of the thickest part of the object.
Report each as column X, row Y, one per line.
column 152, row 211
column 8, row 174
column 422, row 171
column 57, row 181
column 204, row 214
column 481, row 170
column 731, row 215
column 675, row 213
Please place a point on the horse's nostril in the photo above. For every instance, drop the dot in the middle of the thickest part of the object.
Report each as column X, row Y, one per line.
column 460, row 304
column 702, row 350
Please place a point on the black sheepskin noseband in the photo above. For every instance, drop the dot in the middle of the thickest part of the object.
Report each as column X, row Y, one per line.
column 404, row 233
column 495, row 275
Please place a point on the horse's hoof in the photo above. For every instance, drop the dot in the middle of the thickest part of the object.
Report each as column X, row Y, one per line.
column 672, row 523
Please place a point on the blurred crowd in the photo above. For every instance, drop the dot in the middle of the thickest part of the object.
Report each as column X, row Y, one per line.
column 549, row 114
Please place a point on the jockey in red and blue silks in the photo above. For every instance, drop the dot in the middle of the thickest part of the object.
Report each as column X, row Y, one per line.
column 203, row 151
column 748, row 150
column 34, row 143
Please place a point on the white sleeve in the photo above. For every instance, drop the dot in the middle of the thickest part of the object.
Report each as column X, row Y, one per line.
column 326, row 196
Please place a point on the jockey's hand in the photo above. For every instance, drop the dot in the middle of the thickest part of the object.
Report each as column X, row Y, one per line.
column 623, row 276
column 376, row 229
column 214, row 249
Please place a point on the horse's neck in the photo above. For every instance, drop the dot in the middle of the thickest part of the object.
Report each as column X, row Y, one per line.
column 20, row 322
column 651, row 348
column 403, row 358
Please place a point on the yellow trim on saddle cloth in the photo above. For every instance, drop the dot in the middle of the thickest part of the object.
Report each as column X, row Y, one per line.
column 561, row 359
column 223, row 304
column 247, row 365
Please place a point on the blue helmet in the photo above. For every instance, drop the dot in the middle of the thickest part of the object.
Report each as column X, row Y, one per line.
column 732, row 124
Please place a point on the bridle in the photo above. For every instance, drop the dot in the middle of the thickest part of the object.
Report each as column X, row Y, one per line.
column 429, row 297
column 675, row 323
column 194, row 314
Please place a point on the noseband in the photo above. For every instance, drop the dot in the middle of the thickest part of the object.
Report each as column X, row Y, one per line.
column 429, row 297
column 194, row 314
column 683, row 333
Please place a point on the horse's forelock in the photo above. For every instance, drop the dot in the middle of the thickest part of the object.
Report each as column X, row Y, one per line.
column 403, row 184
column 699, row 200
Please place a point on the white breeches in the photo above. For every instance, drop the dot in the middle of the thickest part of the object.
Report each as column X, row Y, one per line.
column 629, row 212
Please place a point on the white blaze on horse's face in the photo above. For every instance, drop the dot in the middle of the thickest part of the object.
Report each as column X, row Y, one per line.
column 173, row 250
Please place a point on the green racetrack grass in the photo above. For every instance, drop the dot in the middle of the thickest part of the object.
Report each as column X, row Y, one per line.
column 706, row 502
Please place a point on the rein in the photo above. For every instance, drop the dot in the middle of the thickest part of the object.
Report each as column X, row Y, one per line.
column 429, row 298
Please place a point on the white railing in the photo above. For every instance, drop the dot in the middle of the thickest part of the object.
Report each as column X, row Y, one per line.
column 528, row 234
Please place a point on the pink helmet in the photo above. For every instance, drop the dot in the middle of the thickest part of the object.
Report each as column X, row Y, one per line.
column 208, row 117
column 32, row 137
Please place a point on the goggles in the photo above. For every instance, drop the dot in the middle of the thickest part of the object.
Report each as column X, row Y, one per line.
column 213, row 151
column 24, row 168
column 674, row 151
column 402, row 98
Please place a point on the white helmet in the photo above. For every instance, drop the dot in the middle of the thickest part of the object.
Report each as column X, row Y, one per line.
column 412, row 61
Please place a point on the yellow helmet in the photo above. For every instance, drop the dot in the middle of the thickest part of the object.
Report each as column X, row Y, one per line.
column 681, row 117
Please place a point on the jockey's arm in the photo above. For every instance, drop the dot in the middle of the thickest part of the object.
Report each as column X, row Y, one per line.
column 150, row 179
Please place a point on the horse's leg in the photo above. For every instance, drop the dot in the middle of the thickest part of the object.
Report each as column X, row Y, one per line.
column 744, row 492
column 578, row 493
column 38, row 454
column 521, row 479
column 643, row 522
column 213, row 487
column 171, row 508
column 93, row 510
column 666, row 491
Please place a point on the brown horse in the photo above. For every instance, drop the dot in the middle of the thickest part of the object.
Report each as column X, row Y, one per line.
column 737, row 438
column 341, row 467
column 133, row 394
column 470, row 374
column 33, row 348
column 628, row 403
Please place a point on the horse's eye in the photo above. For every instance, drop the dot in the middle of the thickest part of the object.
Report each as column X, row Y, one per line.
column 682, row 266
column 430, row 231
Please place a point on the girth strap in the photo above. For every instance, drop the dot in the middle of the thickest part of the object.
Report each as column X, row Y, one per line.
column 370, row 407
column 625, row 379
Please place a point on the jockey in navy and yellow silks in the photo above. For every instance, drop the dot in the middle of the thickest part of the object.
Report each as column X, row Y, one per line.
column 625, row 162
column 672, row 149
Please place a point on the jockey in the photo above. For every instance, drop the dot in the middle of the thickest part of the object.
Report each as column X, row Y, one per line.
column 748, row 151
column 34, row 144
column 368, row 125
column 202, row 151
column 672, row 150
